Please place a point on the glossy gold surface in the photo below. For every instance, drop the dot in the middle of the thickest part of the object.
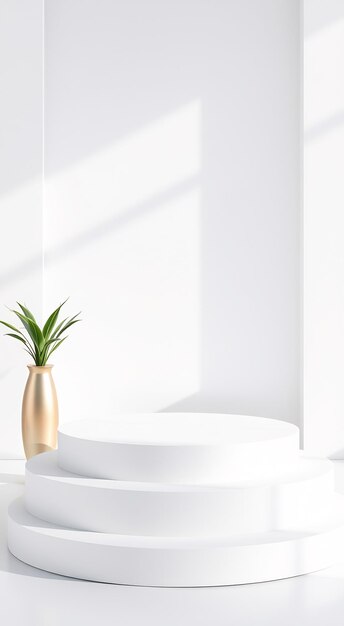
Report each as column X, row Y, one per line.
column 40, row 414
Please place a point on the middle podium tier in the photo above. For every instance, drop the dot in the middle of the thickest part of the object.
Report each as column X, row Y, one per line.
column 286, row 500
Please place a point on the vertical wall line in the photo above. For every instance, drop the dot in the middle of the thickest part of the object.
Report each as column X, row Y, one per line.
column 43, row 163
column 302, row 224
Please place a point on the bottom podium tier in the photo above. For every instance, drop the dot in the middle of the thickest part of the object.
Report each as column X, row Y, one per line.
column 175, row 562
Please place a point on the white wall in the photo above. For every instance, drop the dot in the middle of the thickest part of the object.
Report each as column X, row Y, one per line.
column 324, row 227
column 20, row 195
column 172, row 212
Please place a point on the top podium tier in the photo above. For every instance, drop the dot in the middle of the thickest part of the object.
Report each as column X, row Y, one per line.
column 177, row 448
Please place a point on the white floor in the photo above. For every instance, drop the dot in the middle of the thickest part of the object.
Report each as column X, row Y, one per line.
column 35, row 598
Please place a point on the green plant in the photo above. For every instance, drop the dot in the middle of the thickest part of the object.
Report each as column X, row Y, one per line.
column 40, row 343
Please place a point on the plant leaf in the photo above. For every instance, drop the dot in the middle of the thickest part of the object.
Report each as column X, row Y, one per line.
column 11, row 327
column 23, row 319
column 59, row 330
column 26, row 312
column 70, row 323
column 33, row 329
column 50, row 341
column 31, row 355
column 44, row 350
column 51, row 321
column 53, row 349
column 16, row 337
column 28, row 347
column 40, row 343
column 58, row 327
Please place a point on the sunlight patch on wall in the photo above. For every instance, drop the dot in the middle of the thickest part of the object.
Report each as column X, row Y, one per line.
column 141, row 166
column 130, row 258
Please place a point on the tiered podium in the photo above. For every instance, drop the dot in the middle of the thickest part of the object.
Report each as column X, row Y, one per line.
column 178, row 500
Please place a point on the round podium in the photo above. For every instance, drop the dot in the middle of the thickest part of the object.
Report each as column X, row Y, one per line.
column 178, row 500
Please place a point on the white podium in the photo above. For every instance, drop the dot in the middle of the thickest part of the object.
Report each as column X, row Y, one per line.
column 178, row 500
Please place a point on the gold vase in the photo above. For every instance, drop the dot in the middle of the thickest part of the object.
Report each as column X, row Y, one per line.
column 40, row 413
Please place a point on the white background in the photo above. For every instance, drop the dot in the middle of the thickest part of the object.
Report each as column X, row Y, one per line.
column 171, row 211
